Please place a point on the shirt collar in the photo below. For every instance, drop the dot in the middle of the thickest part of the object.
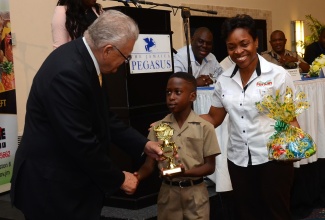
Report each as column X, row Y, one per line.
column 276, row 56
column 192, row 57
column 258, row 69
column 191, row 118
column 264, row 66
column 91, row 55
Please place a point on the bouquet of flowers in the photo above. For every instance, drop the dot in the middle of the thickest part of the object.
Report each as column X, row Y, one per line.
column 316, row 66
column 287, row 142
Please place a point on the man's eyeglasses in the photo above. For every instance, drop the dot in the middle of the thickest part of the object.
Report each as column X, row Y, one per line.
column 127, row 59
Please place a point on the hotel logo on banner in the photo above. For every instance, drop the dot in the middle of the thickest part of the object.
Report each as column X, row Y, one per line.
column 151, row 53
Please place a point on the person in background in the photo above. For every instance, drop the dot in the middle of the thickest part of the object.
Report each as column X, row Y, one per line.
column 315, row 49
column 62, row 168
column 71, row 18
column 205, row 66
column 197, row 146
column 280, row 56
column 261, row 188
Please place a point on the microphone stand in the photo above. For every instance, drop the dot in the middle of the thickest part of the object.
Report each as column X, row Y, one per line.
column 164, row 5
column 126, row 2
column 136, row 3
column 185, row 15
column 177, row 7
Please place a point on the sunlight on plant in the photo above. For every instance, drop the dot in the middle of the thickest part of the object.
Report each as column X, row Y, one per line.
column 315, row 27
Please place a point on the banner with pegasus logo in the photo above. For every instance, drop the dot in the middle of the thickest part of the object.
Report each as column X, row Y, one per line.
column 152, row 53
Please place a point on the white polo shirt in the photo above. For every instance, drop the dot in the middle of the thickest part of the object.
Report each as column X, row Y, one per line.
column 248, row 129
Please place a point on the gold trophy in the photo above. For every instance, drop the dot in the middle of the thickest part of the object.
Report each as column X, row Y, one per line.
column 164, row 132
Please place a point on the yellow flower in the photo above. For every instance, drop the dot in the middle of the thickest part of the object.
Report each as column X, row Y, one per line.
column 317, row 65
column 283, row 107
column 301, row 95
column 290, row 107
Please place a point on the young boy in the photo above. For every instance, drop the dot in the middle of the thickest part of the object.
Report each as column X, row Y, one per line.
column 184, row 195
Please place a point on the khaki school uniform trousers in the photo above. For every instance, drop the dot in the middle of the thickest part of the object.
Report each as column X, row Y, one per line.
column 176, row 203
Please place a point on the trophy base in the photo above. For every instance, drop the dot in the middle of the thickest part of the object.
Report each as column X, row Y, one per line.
column 172, row 171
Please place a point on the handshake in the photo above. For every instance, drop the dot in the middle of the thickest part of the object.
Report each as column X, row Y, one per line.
column 153, row 150
column 130, row 183
column 154, row 153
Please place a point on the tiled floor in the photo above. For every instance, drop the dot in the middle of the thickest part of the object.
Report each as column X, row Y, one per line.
column 149, row 213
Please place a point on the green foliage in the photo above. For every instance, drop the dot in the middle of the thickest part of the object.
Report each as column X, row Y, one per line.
column 315, row 27
column 7, row 67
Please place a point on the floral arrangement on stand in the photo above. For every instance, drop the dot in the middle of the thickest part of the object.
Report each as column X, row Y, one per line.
column 316, row 66
column 287, row 142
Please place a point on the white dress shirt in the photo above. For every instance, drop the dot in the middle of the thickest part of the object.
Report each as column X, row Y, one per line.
column 209, row 64
column 248, row 129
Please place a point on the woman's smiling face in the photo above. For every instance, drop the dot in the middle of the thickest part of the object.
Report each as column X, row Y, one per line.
column 241, row 47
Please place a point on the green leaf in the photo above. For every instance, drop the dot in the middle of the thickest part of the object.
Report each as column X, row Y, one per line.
column 7, row 67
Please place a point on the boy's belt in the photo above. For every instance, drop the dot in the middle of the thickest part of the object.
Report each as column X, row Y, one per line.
column 183, row 183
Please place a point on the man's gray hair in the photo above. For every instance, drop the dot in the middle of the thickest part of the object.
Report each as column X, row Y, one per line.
column 111, row 27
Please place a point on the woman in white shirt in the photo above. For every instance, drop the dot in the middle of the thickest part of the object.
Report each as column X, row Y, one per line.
column 261, row 188
column 71, row 18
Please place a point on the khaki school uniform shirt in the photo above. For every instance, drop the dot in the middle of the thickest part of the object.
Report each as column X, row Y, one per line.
column 195, row 140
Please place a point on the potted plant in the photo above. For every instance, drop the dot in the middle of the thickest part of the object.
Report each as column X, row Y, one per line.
column 315, row 27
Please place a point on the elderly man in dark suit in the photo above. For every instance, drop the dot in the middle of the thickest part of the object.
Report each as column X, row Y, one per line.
column 62, row 170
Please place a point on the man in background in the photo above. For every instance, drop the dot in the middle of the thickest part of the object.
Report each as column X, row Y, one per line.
column 315, row 49
column 62, row 168
column 205, row 66
column 282, row 57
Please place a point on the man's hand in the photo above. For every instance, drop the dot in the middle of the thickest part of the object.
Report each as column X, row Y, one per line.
column 152, row 149
column 288, row 59
column 204, row 80
column 130, row 183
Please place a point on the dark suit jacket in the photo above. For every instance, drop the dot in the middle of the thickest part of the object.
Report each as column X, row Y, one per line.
column 313, row 51
column 62, row 169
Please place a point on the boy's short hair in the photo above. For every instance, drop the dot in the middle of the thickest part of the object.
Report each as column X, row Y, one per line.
column 187, row 77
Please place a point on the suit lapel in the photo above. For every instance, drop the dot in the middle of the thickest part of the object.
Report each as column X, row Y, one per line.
column 100, row 93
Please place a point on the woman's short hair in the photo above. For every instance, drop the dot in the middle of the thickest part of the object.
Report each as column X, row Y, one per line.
column 239, row 21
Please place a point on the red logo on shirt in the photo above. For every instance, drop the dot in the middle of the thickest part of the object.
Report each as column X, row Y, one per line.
column 267, row 83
